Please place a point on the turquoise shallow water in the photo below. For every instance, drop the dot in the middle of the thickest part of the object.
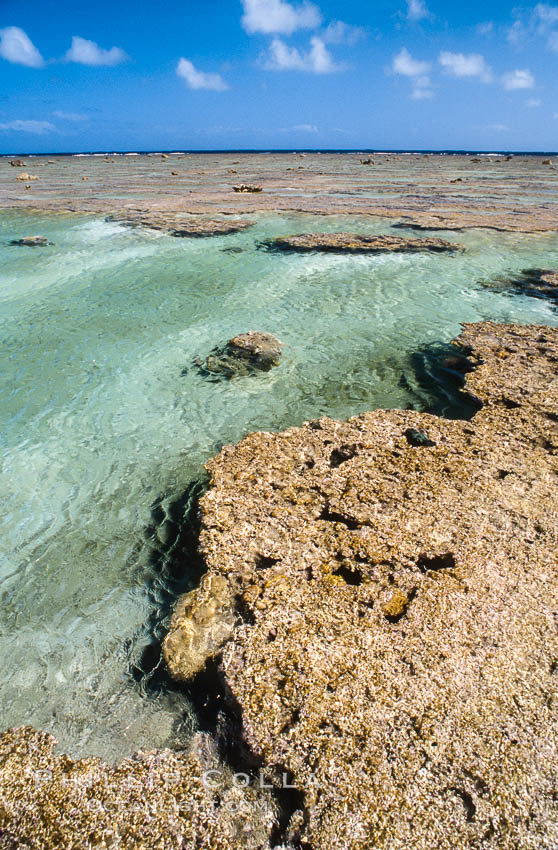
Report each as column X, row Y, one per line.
column 98, row 420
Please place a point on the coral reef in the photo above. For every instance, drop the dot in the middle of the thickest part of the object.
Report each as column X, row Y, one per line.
column 378, row 614
column 354, row 243
column 418, row 192
column 247, row 188
column 30, row 241
column 244, row 354
column 178, row 226
column 155, row 801
column 386, row 602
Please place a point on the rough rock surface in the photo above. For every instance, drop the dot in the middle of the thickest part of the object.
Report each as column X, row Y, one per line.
column 155, row 801
column 27, row 177
column 386, row 609
column 353, row 243
column 247, row 188
column 176, row 226
column 244, row 354
column 413, row 191
column 30, row 241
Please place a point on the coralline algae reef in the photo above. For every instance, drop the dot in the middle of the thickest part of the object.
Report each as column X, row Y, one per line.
column 354, row 243
column 379, row 611
column 382, row 608
column 154, row 801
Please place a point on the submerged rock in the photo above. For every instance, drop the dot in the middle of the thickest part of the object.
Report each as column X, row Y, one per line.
column 245, row 354
column 177, row 226
column 386, row 612
column 31, row 241
column 538, row 283
column 352, row 243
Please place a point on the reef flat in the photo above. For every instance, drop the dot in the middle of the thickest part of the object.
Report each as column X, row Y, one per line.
column 378, row 615
column 515, row 194
column 380, row 597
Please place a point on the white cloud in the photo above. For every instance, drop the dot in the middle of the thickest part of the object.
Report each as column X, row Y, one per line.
column 422, row 88
column 520, row 79
column 17, row 47
column 338, row 32
column 462, row 65
column 70, row 116
column 404, row 64
column 516, row 33
column 86, row 52
column 199, row 79
column 277, row 16
column 317, row 60
column 39, row 127
column 300, row 128
column 546, row 15
column 539, row 21
column 533, row 102
column 416, row 10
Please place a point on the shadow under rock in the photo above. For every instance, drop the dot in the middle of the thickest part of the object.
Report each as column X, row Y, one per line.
column 435, row 380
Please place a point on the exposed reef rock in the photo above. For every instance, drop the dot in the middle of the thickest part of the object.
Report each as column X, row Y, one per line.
column 30, row 241
column 245, row 354
column 538, row 283
column 27, row 177
column 354, row 243
column 17, row 163
column 506, row 221
column 247, row 188
column 414, row 191
column 381, row 597
column 155, row 801
column 176, row 226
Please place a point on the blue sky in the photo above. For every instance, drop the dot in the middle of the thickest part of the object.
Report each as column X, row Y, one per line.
column 275, row 74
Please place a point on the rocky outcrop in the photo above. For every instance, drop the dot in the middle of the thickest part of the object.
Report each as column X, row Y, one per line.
column 244, row 354
column 538, row 283
column 24, row 176
column 354, row 243
column 381, row 595
column 17, row 163
column 177, row 226
column 155, row 801
column 30, row 241
column 247, row 188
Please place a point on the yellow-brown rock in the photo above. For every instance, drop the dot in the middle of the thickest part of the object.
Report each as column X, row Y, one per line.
column 395, row 645
column 155, row 801
column 356, row 243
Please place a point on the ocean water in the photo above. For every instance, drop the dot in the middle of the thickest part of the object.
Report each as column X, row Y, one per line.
column 104, row 422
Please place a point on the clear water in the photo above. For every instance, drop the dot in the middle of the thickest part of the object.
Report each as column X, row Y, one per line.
column 98, row 421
